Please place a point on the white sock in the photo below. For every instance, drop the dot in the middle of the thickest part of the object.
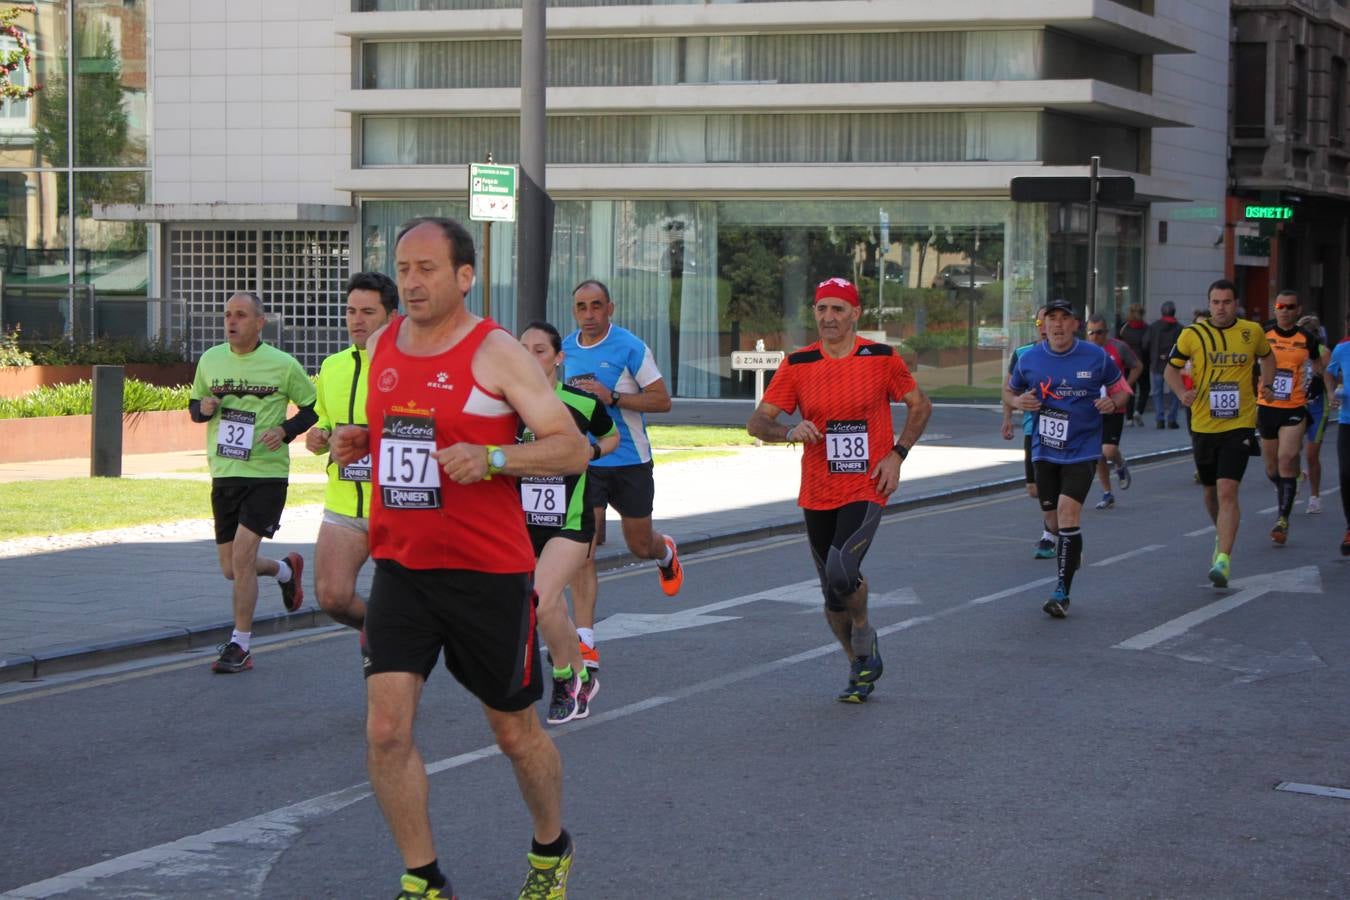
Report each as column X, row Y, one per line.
column 241, row 638
column 587, row 636
column 283, row 572
column 1047, row 536
column 664, row 562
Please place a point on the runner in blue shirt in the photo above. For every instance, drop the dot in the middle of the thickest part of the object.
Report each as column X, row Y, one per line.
column 1336, row 377
column 1069, row 384
column 615, row 366
column 1045, row 547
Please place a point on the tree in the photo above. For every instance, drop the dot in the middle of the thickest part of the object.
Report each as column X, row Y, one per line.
column 21, row 55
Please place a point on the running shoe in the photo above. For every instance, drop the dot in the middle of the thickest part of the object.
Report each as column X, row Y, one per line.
column 867, row 669
column 293, row 591
column 1345, row 544
column 564, row 705
column 547, row 879
column 1173, row 425
column 1058, row 605
column 1045, row 549
column 1218, row 573
column 855, row 692
column 589, row 688
column 1314, row 505
column 589, row 655
column 1280, row 533
column 414, row 888
column 672, row 576
column 1123, row 474
column 1108, row 500
column 233, row 658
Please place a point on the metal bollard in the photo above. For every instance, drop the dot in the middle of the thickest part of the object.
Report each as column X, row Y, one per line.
column 105, row 457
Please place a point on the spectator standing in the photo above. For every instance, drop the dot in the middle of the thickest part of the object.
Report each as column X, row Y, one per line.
column 1132, row 333
column 1159, row 340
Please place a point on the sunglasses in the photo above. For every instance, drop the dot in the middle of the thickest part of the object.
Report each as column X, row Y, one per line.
column 1097, row 331
column 1286, row 306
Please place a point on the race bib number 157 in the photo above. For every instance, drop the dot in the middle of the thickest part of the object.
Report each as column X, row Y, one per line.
column 410, row 477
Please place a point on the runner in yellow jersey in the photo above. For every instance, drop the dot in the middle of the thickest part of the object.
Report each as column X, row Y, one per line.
column 343, row 544
column 1283, row 418
column 1223, row 353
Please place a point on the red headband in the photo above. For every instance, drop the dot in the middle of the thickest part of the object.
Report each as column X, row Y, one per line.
column 838, row 288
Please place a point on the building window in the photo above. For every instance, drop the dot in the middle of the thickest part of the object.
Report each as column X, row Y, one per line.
column 15, row 115
column 1336, row 100
column 1249, row 89
column 1298, row 124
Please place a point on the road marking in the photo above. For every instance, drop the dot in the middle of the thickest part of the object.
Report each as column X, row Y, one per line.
column 1130, row 555
column 1316, row 790
column 1253, row 663
column 1305, row 580
column 242, row 853
column 1199, row 531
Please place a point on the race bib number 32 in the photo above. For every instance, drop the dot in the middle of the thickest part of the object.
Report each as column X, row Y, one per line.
column 846, row 446
column 544, row 500
column 410, row 477
column 234, row 437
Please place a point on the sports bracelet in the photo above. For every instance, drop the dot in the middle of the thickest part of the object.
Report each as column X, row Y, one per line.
column 901, row 450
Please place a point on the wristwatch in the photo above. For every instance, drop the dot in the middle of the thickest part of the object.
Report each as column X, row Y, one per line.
column 613, row 398
column 496, row 458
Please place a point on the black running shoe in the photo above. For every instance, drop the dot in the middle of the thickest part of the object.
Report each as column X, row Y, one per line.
column 293, row 591
column 867, row 669
column 233, row 658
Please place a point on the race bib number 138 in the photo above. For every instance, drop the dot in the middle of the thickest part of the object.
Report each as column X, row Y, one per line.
column 846, row 446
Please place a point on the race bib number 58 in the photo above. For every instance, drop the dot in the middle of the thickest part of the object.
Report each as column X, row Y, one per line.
column 410, row 478
column 846, row 446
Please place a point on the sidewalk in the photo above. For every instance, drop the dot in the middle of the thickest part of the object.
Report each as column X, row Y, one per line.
column 73, row 602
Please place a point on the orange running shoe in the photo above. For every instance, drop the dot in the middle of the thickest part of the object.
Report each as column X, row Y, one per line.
column 672, row 576
column 589, row 655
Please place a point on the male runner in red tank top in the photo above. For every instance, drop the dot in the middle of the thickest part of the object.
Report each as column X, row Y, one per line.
column 453, row 559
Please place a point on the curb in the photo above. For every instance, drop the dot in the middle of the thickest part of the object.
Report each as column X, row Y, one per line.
column 76, row 657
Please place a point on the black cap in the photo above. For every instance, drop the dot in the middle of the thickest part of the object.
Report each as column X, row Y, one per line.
column 1061, row 305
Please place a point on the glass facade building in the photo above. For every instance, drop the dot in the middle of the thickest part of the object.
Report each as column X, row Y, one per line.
column 82, row 139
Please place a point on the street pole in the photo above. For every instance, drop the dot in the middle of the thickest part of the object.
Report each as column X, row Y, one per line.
column 487, row 262
column 1092, row 238
column 533, row 221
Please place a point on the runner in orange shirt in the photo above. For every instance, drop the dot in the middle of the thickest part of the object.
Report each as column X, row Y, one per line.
column 1283, row 417
column 844, row 386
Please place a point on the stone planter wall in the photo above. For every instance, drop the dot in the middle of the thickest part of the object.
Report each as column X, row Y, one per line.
column 15, row 381
column 69, row 437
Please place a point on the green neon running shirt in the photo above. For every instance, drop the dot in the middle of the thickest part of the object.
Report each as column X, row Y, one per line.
column 539, row 495
column 254, row 390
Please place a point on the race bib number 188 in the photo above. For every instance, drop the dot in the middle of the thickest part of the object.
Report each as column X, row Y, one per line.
column 846, row 446
column 410, row 477
column 1224, row 400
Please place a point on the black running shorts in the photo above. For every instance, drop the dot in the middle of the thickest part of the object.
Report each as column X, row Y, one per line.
column 482, row 622
column 1112, row 426
column 631, row 490
column 1270, row 419
column 1073, row 480
column 255, row 503
column 1222, row 454
column 541, row 535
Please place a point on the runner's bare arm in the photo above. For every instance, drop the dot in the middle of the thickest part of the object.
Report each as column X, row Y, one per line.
column 1172, row 375
column 504, row 367
column 654, row 398
column 763, row 424
column 609, row 443
column 1268, row 376
column 349, row 443
column 1025, row 401
column 916, row 419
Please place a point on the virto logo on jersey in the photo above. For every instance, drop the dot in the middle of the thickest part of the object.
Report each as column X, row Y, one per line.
column 1224, row 358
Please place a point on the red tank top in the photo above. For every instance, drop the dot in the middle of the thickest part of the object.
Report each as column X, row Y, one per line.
column 419, row 518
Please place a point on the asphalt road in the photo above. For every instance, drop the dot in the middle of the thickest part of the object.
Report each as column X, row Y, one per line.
column 1132, row 750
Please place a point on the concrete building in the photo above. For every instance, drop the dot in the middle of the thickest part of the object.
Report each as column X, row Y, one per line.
column 1290, row 167
column 710, row 162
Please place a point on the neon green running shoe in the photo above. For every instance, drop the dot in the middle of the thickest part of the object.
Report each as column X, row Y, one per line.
column 547, row 879
column 1218, row 573
column 414, row 888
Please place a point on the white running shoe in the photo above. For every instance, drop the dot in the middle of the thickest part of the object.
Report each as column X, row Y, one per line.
column 1314, row 505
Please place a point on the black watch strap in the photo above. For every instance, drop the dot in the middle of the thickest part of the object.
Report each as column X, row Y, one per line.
column 901, row 450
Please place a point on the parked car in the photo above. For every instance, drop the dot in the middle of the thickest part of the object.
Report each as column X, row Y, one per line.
column 958, row 276
column 895, row 273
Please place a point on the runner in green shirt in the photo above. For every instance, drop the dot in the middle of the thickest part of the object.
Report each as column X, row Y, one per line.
column 344, row 544
column 242, row 390
column 562, row 528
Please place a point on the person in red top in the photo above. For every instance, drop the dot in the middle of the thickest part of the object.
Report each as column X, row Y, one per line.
column 452, row 557
column 844, row 386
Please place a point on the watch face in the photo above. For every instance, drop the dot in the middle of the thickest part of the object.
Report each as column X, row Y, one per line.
column 498, row 459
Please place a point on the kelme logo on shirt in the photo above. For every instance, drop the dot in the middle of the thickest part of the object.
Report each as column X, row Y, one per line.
column 442, row 382
column 388, row 380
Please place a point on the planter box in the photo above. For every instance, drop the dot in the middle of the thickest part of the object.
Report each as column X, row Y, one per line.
column 15, row 381
column 70, row 437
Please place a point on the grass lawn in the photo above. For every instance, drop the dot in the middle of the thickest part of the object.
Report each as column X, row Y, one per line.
column 966, row 392
column 91, row 504
column 675, row 437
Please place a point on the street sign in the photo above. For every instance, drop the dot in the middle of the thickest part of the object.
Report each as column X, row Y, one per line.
column 1071, row 189
column 492, row 193
column 885, row 231
column 756, row 360
column 1275, row 213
